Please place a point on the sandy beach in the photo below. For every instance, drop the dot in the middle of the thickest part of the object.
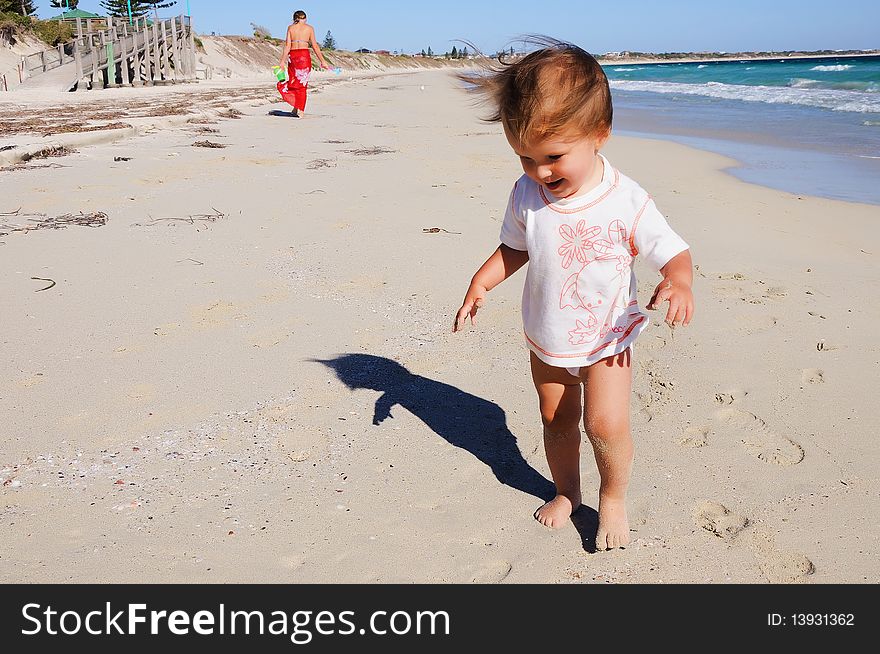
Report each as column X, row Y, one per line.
column 192, row 388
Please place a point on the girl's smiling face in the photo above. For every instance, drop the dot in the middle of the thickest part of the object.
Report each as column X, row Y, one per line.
column 567, row 165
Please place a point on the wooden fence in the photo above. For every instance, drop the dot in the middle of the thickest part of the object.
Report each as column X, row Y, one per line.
column 112, row 52
column 145, row 53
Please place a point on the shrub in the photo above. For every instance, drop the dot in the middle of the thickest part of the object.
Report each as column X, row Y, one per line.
column 53, row 32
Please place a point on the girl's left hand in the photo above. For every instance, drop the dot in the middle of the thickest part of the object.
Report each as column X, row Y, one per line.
column 681, row 301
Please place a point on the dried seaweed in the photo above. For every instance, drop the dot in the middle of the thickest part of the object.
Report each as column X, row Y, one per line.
column 79, row 128
column 437, row 230
column 45, row 153
column 43, row 279
column 320, row 163
column 368, row 152
column 95, row 219
column 202, row 121
column 192, row 220
column 208, row 144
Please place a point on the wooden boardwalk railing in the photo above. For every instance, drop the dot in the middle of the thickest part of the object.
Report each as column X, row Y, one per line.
column 145, row 53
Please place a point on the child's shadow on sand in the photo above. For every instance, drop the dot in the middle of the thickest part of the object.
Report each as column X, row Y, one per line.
column 464, row 420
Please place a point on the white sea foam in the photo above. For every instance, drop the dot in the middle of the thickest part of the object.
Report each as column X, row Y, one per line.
column 625, row 70
column 703, row 66
column 837, row 100
column 801, row 82
column 831, row 69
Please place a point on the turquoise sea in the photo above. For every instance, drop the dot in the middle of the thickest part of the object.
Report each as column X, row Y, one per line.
column 804, row 125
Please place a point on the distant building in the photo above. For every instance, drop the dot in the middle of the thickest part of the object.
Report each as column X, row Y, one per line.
column 383, row 52
column 363, row 51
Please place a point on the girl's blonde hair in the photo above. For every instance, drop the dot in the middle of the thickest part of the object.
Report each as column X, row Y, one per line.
column 299, row 15
column 557, row 89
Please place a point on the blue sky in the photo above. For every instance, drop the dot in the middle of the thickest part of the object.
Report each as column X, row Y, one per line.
column 644, row 25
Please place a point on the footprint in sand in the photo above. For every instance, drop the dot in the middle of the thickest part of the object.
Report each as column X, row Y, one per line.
column 812, row 376
column 493, row 572
column 779, row 566
column 760, row 440
column 694, row 437
column 717, row 519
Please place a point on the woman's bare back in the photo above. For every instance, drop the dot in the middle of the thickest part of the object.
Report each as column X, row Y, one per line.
column 300, row 35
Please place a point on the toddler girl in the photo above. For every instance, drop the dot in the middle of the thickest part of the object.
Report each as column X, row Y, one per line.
column 578, row 222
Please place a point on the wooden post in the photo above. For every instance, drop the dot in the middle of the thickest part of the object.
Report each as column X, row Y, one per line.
column 157, row 62
column 60, row 54
column 136, row 58
column 43, row 60
column 79, row 28
column 166, row 56
column 184, row 50
column 192, row 46
column 110, row 52
column 123, row 58
column 81, row 85
column 179, row 66
column 149, row 75
column 97, row 75
column 5, row 85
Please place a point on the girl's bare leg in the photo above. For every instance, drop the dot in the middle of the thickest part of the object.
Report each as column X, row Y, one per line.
column 607, row 388
column 559, row 394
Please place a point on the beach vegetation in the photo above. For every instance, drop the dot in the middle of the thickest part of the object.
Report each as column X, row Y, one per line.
column 20, row 7
column 329, row 42
column 53, row 32
column 50, row 31
column 119, row 8
column 261, row 32
column 66, row 5
column 156, row 5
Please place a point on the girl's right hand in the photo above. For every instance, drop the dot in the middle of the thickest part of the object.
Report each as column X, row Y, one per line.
column 473, row 300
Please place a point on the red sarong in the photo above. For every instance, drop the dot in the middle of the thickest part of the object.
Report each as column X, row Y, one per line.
column 299, row 69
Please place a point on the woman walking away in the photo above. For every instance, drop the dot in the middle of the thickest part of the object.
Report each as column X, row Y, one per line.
column 298, row 60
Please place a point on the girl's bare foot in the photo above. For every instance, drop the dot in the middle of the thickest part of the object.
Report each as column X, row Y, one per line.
column 557, row 511
column 613, row 524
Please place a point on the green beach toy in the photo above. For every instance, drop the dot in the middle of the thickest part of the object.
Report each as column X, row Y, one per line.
column 280, row 73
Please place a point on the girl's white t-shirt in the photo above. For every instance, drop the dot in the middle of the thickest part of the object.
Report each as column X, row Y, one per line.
column 580, row 300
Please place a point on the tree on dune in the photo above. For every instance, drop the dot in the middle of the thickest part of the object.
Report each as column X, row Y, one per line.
column 329, row 42
column 119, row 8
column 156, row 5
column 21, row 7
column 64, row 4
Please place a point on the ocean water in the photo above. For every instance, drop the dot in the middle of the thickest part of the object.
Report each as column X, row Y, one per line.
column 807, row 126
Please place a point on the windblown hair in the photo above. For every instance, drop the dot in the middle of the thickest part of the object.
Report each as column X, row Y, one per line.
column 298, row 16
column 557, row 89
